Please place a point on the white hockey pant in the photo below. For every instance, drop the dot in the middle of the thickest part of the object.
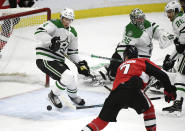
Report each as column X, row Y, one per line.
column 180, row 85
column 67, row 83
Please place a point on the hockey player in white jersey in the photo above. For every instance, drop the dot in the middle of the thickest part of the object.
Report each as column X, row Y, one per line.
column 173, row 11
column 57, row 37
column 139, row 32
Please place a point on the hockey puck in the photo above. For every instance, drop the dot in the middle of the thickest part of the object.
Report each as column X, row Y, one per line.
column 49, row 108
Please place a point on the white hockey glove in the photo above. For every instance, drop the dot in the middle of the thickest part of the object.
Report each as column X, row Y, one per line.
column 55, row 44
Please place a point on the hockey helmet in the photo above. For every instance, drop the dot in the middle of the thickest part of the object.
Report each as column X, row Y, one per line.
column 67, row 13
column 172, row 7
column 131, row 52
column 137, row 18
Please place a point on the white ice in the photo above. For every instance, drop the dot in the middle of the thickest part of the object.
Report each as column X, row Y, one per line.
column 23, row 99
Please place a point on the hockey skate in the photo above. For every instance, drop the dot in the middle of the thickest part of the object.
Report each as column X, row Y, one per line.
column 77, row 100
column 86, row 128
column 176, row 107
column 55, row 100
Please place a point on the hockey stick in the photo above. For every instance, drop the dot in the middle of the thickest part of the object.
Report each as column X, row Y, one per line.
column 155, row 98
column 105, row 58
column 101, row 57
column 91, row 106
column 101, row 105
column 66, row 56
column 90, row 75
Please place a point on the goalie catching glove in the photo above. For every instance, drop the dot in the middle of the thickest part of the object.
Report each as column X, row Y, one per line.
column 168, row 63
column 170, row 93
column 55, row 44
column 83, row 68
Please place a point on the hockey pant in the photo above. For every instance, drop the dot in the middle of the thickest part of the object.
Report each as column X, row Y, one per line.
column 123, row 97
column 180, row 85
column 7, row 28
column 60, row 72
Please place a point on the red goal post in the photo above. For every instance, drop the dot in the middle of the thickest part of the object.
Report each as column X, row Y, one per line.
column 26, row 17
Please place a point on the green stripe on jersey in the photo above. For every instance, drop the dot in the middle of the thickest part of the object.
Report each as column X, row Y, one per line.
column 50, row 56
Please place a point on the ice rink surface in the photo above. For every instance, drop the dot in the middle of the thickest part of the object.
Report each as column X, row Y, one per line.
column 23, row 97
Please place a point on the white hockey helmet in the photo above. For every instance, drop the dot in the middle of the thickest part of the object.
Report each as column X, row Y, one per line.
column 67, row 13
column 173, row 6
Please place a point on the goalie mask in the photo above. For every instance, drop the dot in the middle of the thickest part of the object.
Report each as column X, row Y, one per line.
column 172, row 9
column 130, row 52
column 137, row 18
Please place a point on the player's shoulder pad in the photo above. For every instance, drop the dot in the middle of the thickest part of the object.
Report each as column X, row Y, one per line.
column 177, row 17
column 57, row 23
column 147, row 24
column 133, row 31
column 72, row 30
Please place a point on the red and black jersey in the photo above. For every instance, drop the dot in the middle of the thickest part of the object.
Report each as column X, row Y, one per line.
column 5, row 4
column 141, row 67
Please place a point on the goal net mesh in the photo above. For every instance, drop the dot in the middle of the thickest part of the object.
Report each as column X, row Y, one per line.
column 17, row 45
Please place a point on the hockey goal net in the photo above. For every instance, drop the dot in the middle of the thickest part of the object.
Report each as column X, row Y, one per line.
column 17, row 45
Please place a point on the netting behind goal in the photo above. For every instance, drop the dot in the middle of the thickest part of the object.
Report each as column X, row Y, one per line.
column 17, row 44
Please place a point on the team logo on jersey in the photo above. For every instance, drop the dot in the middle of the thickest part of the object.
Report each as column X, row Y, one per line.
column 129, row 33
column 64, row 44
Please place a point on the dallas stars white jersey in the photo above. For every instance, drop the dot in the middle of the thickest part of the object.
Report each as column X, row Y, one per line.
column 178, row 25
column 142, row 39
column 69, row 41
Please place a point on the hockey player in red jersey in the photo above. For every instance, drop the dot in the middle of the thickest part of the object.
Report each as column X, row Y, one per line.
column 8, row 24
column 131, row 79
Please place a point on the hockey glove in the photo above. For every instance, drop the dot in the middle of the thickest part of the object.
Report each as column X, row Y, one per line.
column 170, row 94
column 168, row 63
column 83, row 68
column 179, row 47
column 55, row 44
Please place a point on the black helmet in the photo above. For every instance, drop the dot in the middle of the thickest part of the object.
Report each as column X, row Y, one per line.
column 131, row 52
